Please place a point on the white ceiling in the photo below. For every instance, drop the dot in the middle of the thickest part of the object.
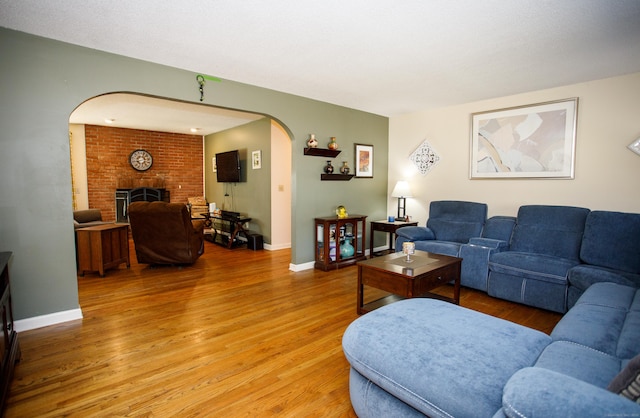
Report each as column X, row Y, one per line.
column 142, row 112
column 379, row 56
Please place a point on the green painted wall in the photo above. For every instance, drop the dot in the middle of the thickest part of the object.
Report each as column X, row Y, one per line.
column 42, row 81
column 252, row 196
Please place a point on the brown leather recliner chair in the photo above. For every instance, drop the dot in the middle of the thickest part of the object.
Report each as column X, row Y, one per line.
column 164, row 234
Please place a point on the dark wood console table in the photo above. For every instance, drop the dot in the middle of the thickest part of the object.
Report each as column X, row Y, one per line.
column 9, row 346
column 235, row 226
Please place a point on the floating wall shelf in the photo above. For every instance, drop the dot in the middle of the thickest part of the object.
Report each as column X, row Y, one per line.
column 342, row 177
column 322, row 152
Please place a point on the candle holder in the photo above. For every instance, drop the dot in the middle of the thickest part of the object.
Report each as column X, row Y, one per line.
column 408, row 249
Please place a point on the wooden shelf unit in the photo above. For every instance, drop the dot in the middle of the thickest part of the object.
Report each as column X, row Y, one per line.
column 322, row 152
column 331, row 232
column 340, row 177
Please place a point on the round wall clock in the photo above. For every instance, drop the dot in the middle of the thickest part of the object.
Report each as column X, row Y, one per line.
column 141, row 160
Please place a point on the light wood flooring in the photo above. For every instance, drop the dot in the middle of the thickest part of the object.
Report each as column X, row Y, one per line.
column 235, row 335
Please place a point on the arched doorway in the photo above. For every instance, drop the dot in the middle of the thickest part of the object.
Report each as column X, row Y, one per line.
column 175, row 121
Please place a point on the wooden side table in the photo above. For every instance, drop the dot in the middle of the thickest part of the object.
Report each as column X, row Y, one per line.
column 102, row 247
column 388, row 227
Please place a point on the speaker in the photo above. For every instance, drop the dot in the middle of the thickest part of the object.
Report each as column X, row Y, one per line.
column 254, row 242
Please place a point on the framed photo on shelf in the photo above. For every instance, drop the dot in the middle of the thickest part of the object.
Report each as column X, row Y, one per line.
column 532, row 141
column 364, row 160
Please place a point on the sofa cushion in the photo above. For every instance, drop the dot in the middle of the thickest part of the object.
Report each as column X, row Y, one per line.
column 414, row 233
column 456, row 221
column 584, row 275
column 538, row 392
column 549, row 230
column 499, row 228
column 532, row 266
column 627, row 382
column 438, row 247
column 569, row 358
column 87, row 215
column 612, row 239
column 457, row 349
column 605, row 318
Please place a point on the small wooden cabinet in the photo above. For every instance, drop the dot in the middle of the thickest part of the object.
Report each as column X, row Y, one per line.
column 339, row 241
column 102, row 247
column 9, row 346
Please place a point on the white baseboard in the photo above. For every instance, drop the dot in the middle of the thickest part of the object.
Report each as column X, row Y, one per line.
column 301, row 267
column 46, row 320
column 311, row 264
column 270, row 247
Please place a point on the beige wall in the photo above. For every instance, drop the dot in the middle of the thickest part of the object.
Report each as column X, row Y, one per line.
column 606, row 172
column 280, row 188
column 79, row 167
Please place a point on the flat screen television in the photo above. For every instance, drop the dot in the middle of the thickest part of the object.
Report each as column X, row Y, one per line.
column 228, row 167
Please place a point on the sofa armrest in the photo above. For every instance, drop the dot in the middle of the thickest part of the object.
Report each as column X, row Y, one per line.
column 475, row 261
column 535, row 391
column 495, row 244
column 415, row 233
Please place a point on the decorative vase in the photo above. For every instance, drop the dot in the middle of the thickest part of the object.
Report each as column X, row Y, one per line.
column 333, row 144
column 312, row 142
column 346, row 249
column 328, row 168
column 345, row 168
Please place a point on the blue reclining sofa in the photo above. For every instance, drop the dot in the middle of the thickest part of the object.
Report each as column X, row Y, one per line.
column 546, row 256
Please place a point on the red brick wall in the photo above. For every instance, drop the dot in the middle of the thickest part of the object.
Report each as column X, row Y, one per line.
column 177, row 164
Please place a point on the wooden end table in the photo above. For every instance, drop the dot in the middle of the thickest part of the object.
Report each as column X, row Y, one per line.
column 388, row 227
column 393, row 274
column 102, row 247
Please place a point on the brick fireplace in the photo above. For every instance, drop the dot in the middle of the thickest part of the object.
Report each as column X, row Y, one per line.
column 177, row 164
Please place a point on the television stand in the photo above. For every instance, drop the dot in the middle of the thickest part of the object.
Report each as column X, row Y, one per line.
column 230, row 223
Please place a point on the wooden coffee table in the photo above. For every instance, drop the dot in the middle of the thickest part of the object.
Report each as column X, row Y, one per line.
column 393, row 274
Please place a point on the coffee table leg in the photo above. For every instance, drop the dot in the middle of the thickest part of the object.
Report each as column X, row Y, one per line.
column 360, row 292
column 456, row 288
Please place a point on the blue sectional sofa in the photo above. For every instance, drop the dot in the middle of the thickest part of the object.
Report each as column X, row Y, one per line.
column 422, row 357
column 546, row 256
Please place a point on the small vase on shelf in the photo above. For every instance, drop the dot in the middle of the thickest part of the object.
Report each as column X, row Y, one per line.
column 312, row 142
column 328, row 168
column 345, row 168
column 333, row 144
column 346, row 249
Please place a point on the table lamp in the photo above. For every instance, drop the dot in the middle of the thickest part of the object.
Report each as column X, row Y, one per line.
column 401, row 191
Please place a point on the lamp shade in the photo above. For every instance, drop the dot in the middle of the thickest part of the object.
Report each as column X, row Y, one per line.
column 402, row 189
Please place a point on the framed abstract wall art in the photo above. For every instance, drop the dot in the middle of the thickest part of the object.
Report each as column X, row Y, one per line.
column 364, row 160
column 533, row 141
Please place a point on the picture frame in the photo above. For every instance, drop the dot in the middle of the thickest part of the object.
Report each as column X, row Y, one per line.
column 531, row 141
column 364, row 160
column 256, row 160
